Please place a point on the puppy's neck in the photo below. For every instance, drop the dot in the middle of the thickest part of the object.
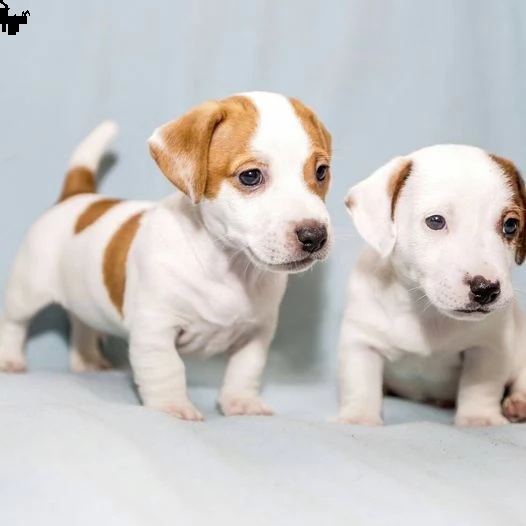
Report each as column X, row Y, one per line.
column 213, row 248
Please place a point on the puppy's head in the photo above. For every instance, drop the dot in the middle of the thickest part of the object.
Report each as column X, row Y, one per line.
column 257, row 165
column 452, row 220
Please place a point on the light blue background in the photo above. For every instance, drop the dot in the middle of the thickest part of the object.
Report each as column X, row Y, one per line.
column 386, row 76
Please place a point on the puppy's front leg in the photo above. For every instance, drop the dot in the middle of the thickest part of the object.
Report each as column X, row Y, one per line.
column 240, row 391
column 361, row 384
column 158, row 369
column 481, row 388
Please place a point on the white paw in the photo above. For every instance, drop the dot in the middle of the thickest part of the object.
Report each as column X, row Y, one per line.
column 182, row 410
column 514, row 407
column 90, row 363
column 481, row 420
column 357, row 419
column 13, row 363
column 239, row 406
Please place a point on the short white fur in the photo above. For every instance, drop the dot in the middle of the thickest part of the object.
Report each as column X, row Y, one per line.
column 192, row 284
column 402, row 324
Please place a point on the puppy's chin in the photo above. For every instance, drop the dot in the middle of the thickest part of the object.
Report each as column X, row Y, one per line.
column 466, row 315
column 293, row 266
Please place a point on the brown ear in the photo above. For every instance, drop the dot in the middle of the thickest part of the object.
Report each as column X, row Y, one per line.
column 516, row 183
column 180, row 148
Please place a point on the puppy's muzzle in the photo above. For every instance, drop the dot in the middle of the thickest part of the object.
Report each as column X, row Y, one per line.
column 312, row 237
column 483, row 291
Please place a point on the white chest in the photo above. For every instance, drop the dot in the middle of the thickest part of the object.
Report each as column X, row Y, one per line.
column 227, row 316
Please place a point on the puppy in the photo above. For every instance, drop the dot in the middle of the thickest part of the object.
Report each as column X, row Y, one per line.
column 201, row 271
column 431, row 307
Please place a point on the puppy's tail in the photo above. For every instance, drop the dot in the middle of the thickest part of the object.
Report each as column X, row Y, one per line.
column 81, row 174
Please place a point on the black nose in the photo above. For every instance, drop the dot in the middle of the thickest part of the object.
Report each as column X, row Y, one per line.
column 484, row 291
column 312, row 237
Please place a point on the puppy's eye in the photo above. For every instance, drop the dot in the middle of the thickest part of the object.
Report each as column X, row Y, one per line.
column 435, row 222
column 250, row 177
column 321, row 172
column 510, row 227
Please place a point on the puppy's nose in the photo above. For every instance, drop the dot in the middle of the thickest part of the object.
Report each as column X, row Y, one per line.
column 483, row 290
column 312, row 237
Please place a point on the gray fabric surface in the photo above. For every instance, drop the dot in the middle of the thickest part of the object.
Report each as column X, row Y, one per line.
column 79, row 450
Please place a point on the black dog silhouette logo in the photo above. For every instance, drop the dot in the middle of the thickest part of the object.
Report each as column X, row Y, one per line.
column 11, row 23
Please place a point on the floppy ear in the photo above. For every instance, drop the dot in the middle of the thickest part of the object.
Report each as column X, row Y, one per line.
column 180, row 148
column 516, row 183
column 372, row 202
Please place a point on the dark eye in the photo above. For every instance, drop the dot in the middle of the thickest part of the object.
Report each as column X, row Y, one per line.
column 435, row 222
column 510, row 227
column 250, row 177
column 321, row 172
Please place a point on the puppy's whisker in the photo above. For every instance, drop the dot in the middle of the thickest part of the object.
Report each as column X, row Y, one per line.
column 427, row 306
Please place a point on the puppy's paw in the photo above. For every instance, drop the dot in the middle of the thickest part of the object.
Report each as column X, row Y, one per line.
column 480, row 420
column 182, row 410
column 357, row 419
column 12, row 363
column 244, row 406
column 88, row 363
column 514, row 407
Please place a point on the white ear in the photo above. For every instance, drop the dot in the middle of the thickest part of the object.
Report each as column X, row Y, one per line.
column 371, row 204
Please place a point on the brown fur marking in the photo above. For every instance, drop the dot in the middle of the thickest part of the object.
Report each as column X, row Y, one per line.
column 397, row 182
column 183, row 156
column 79, row 180
column 207, row 145
column 115, row 259
column 321, row 144
column 518, row 208
column 230, row 153
column 93, row 212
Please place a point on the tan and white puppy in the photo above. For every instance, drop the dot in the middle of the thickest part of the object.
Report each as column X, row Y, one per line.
column 201, row 271
column 431, row 310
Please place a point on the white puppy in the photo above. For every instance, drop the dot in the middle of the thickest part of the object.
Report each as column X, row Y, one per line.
column 431, row 298
column 202, row 271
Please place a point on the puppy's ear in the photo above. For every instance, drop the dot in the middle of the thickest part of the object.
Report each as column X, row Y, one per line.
column 516, row 182
column 180, row 148
column 372, row 203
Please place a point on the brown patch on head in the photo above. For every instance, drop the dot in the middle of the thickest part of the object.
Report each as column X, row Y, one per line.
column 397, row 182
column 93, row 212
column 203, row 147
column 349, row 201
column 517, row 208
column 115, row 259
column 79, row 180
column 321, row 144
column 230, row 146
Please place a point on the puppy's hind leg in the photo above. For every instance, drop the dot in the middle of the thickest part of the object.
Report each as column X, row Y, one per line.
column 26, row 294
column 514, row 405
column 84, row 348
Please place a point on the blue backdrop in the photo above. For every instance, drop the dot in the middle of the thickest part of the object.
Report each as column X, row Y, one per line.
column 386, row 76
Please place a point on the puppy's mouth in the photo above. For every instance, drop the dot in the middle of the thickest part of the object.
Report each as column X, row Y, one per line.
column 471, row 311
column 297, row 265
column 475, row 314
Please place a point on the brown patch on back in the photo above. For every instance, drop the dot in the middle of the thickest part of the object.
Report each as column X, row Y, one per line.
column 115, row 259
column 230, row 146
column 93, row 212
column 79, row 180
column 397, row 182
column 321, row 143
column 518, row 208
